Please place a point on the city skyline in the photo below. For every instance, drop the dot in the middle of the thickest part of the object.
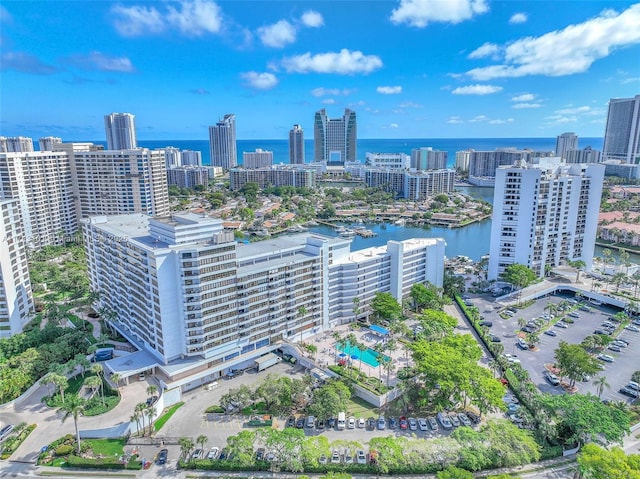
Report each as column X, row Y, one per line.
column 410, row 69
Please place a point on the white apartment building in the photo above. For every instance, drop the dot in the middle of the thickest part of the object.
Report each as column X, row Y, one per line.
column 222, row 142
column 622, row 133
column 120, row 130
column 46, row 143
column 565, row 142
column 191, row 158
column 410, row 185
column 257, row 159
column 393, row 268
column 462, row 160
column 42, row 182
column 426, row 158
column 199, row 304
column 16, row 301
column 188, row 176
column 172, row 156
column 392, row 161
column 16, row 144
column 275, row 175
column 544, row 214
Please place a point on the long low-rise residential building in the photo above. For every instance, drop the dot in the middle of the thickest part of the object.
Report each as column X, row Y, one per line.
column 276, row 175
column 411, row 185
column 199, row 304
column 188, row 176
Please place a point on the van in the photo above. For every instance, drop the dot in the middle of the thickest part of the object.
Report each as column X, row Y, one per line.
column 634, row 385
column 342, row 421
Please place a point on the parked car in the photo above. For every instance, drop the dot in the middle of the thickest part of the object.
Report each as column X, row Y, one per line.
column 260, row 454
column 627, row 391
column 361, row 423
column 573, row 314
column 393, row 423
column 552, row 378
column 413, row 424
column 615, row 349
column 550, row 332
column 348, row 458
column 454, row 420
column 606, row 358
column 300, row 423
column 444, row 420
column 633, row 328
column 422, row 424
column 528, row 329
column 331, row 422
column 335, row 457
column 561, row 325
column 270, row 456
column 197, row 454
column 495, row 339
column 382, row 423
column 464, row 419
column 213, row 453
column 361, row 457
column 291, row 422
column 433, row 424
column 323, row 459
column 371, row 423
column 488, row 324
column 351, row 423
column 6, row 430
column 622, row 342
column 162, row 457
column 475, row 419
column 522, row 344
column 404, row 424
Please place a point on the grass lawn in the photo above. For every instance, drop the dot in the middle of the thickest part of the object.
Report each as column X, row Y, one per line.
column 360, row 408
column 162, row 420
column 106, row 447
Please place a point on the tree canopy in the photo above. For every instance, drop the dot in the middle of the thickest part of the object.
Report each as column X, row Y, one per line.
column 386, row 307
column 596, row 462
column 518, row 275
column 574, row 362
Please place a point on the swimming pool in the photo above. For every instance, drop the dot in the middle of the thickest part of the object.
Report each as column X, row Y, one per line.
column 368, row 356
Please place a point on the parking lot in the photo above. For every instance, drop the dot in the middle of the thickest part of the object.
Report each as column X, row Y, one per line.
column 617, row 373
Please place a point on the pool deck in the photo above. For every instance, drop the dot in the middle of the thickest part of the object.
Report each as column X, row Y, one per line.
column 328, row 353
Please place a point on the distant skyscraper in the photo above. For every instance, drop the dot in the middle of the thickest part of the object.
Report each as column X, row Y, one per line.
column 622, row 134
column 426, row 158
column 565, row 142
column 296, row 145
column 257, row 159
column 191, row 158
column 335, row 139
column 586, row 155
column 120, row 130
column 16, row 144
column 46, row 143
column 222, row 142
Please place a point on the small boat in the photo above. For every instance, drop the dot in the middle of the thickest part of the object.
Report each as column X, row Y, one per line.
column 347, row 233
column 400, row 222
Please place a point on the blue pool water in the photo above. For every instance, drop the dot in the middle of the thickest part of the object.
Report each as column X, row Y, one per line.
column 368, row 356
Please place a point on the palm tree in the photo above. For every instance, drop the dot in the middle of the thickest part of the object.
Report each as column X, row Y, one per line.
column 135, row 417
column 139, row 409
column 59, row 381
column 624, row 260
column 494, row 365
column 618, row 279
column 94, row 383
column 577, row 265
column 150, row 412
column 115, row 379
column 356, row 307
column 186, row 444
column 152, row 390
column 595, row 286
column 521, row 322
column 636, row 282
column 98, row 371
column 73, row 407
column 601, row 383
column 202, row 440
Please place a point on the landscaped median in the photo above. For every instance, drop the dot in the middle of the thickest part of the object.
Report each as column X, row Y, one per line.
column 94, row 454
column 17, row 437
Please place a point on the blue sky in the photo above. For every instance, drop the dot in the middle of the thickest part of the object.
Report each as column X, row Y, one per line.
column 409, row 68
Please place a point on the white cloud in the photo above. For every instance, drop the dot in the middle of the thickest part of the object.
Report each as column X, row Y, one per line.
column 389, row 90
column 419, row 13
column 573, row 110
column 476, row 90
column 277, row 35
column 519, row 17
column 485, row 50
column 520, row 106
column 312, row 19
column 455, row 120
column 192, row 18
column 501, row 122
column 344, row 63
column 99, row 61
column 524, row 97
column 393, row 125
column 259, row 81
column 331, row 91
column 630, row 80
column 567, row 51
column 478, row 118
column 328, row 101
column 409, row 104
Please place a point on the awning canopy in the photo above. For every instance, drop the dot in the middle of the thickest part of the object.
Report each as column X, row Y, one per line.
column 379, row 330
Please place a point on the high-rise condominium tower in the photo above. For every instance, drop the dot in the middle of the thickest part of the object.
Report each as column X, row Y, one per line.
column 544, row 215
column 257, row 159
column 426, row 158
column 296, row 145
column 622, row 134
column 15, row 286
column 222, row 142
column 120, row 129
column 16, row 144
column 46, row 142
column 565, row 142
column 334, row 139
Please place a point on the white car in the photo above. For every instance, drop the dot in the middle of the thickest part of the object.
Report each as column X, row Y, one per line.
column 351, row 424
column 413, row 424
column 512, row 358
column 361, row 423
column 552, row 378
column 213, row 453
column 422, row 424
column 361, row 457
column 335, row 457
column 606, row 358
column 633, row 328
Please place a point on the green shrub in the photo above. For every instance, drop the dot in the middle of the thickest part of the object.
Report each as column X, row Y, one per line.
column 63, row 450
column 214, row 409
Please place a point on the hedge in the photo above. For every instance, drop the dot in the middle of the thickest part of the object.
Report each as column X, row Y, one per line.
column 101, row 463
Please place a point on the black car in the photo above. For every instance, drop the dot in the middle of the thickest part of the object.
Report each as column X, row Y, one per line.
column 473, row 417
column 371, row 424
column 300, row 423
column 331, row 423
column 495, row 339
column 528, row 329
column 488, row 324
column 320, row 424
column 393, row 423
column 162, row 457
column 260, row 454
column 628, row 392
column 291, row 422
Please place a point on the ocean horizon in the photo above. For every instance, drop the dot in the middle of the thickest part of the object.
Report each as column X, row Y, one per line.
column 280, row 148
